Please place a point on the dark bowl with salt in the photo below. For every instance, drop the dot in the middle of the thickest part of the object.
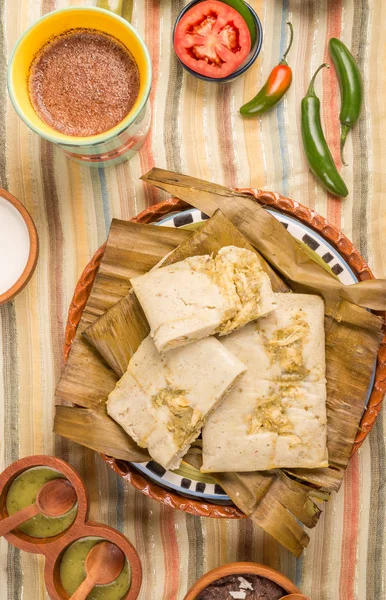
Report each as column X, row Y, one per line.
column 242, row 581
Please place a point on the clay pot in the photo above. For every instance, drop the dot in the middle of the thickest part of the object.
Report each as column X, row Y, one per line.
column 241, row 568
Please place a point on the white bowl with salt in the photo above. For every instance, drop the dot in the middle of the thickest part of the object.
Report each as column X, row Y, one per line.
column 18, row 246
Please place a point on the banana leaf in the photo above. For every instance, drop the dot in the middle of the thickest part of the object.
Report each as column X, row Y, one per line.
column 118, row 333
column 87, row 379
column 114, row 324
column 270, row 238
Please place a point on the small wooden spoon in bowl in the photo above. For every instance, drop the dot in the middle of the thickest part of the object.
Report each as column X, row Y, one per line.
column 54, row 499
column 295, row 597
column 103, row 564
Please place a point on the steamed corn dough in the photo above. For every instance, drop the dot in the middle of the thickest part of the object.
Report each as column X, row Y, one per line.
column 163, row 400
column 276, row 415
column 204, row 295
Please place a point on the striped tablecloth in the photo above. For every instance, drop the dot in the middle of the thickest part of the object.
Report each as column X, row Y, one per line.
column 196, row 129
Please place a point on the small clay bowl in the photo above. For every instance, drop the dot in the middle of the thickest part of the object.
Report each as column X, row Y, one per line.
column 18, row 538
column 54, row 585
column 241, row 568
column 31, row 260
column 53, row 547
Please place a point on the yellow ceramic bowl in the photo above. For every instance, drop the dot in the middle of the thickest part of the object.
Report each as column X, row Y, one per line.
column 113, row 141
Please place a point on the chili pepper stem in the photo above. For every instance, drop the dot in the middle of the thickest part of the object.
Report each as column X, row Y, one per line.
column 343, row 134
column 311, row 88
column 283, row 60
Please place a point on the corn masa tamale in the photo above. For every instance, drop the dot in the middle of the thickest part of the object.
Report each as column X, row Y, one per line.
column 204, row 295
column 163, row 400
column 275, row 417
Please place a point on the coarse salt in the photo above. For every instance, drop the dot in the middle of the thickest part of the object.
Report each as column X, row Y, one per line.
column 244, row 584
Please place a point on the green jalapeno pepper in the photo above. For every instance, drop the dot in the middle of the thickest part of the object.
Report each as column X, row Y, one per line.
column 274, row 88
column 351, row 87
column 316, row 149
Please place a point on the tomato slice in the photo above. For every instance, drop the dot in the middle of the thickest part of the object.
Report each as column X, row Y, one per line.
column 212, row 39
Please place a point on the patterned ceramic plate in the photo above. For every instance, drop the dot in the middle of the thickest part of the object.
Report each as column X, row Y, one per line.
column 187, row 480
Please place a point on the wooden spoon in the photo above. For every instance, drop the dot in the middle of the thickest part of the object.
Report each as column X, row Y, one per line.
column 103, row 564
column 295, row 597
column 54, row 499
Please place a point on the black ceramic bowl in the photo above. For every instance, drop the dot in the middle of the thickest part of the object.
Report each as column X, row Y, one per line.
column 254, row 53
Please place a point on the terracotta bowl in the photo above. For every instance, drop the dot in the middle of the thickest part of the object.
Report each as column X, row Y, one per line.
column 53, row 547
column 305, row 215
column 33, row 249
column 241, row 568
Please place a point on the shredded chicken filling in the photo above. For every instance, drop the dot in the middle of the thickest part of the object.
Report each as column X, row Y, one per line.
column 240, row 282
column 287, row 345
column 270, row 414
column 184, row 422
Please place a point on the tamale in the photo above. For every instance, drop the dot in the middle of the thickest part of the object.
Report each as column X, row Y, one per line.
column 276, row 416
column 353, row 336
column 163, row 400
column 203, row 295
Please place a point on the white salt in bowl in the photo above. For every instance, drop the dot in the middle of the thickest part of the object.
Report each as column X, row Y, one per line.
column 19, row 246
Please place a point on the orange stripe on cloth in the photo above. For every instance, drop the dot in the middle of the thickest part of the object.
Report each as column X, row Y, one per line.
column 152, row 38
column 171, row 554
column 350, row 531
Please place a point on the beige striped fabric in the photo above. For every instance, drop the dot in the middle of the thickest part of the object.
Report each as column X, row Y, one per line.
column 196, row 129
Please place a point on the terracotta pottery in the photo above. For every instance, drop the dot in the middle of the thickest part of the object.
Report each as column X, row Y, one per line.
column 33, row 249
column 330, row 233
column 53, row 547
column 241, row 568
column 54, row 499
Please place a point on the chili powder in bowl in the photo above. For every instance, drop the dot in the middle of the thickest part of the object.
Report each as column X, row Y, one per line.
column 213, row 41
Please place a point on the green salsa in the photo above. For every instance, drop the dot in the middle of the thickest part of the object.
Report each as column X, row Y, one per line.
column 23, row 492
column 72, row 572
